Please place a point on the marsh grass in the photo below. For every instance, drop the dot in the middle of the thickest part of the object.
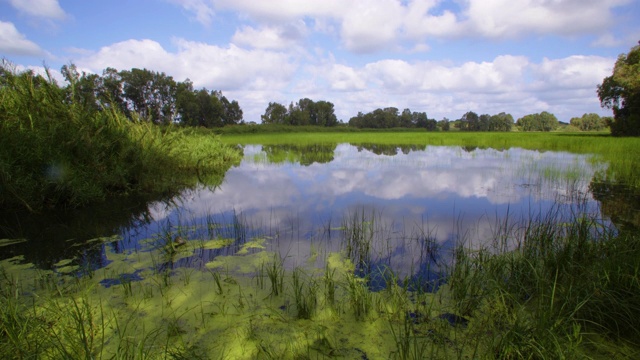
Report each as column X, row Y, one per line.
column 305, row 289
column 275, row 274
column 53, row 154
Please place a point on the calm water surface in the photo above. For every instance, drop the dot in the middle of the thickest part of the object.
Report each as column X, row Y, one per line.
column 417, row 202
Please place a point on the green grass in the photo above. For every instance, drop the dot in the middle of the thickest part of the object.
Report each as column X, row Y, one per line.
column 54, row 154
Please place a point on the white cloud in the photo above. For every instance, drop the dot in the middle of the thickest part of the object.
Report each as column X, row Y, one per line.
column 609, row 40
column 274, row 11
column 512, row 18
column 369, row 25
column 512, row 84
column 365, row 26
column 574, row 72
column 202, row 10
column 12, row 42
column 345, row 78
column 207, row 65
column 44, row 72
column 271, row 37
column 40, row 8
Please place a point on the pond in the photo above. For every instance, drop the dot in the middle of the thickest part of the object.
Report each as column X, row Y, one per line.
column 305, row 202
column 315, row 251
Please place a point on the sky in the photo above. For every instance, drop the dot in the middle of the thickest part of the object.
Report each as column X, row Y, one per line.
column 442, row 57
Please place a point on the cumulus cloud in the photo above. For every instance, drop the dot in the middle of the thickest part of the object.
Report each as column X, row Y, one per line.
column 507, row 83
column 49, row 9
column 223, row 68
column 573, row 72
column 12, row 42
column 202, row 10
column 253, row 77
column 365, row 26
column 271, row 37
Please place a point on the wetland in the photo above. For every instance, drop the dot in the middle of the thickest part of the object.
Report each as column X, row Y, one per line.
column 356, row 250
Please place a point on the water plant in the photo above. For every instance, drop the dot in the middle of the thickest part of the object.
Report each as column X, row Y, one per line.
column 304, row 293
column 275, row 273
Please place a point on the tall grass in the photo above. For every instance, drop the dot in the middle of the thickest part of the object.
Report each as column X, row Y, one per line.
column 565, row 280
column 53, row 153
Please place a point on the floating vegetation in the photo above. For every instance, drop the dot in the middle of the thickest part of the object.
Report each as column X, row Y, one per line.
column 7, row 242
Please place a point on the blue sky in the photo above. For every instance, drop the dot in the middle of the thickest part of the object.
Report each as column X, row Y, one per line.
column 443, row 57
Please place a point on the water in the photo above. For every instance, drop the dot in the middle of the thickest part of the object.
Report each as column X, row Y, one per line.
column 416, row 203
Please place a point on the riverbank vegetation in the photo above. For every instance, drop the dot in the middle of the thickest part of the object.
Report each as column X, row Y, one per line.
column 539, row 288
column 57, row 150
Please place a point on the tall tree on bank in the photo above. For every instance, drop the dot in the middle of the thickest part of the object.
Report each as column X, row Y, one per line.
column 304, row 112
column 152, row 96
column 621, row 93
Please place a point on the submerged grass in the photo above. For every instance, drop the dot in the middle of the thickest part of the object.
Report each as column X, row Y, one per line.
column 562, row 290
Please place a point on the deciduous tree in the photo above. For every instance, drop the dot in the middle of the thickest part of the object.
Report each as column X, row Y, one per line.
column 621, row 93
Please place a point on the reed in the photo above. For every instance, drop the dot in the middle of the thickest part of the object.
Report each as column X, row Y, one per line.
column 55, row 154
column 275, row 273
column 304, row 293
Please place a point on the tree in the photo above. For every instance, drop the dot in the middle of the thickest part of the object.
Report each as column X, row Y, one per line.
column 589, row 122
column 324, row 114
column 501, row 122
column 444, row 124
column 543, row 121
column 150, row 94
column 469, row 122
column 82, row 90
column 232, row 112
column 275, row 113
column 621, row 93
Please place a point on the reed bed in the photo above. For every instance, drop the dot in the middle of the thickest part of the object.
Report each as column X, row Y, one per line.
column 55, row 154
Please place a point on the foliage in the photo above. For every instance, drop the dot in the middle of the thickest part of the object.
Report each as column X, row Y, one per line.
column 64, row 147
column 543, row 121
column 621, row 93
column 304, row 112
column 470, row 121
column 390, row 117
column 590, row 122
column 150, row 95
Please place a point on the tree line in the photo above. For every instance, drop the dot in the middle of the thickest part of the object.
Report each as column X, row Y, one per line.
column 157, row 97
column 391, row 117
column 150, row 95
column 303, row 112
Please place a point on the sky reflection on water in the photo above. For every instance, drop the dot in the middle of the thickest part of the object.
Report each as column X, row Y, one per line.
column 447, row 194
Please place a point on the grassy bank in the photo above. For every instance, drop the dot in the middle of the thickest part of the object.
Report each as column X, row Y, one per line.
column 54, row 153
column 542, row 289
